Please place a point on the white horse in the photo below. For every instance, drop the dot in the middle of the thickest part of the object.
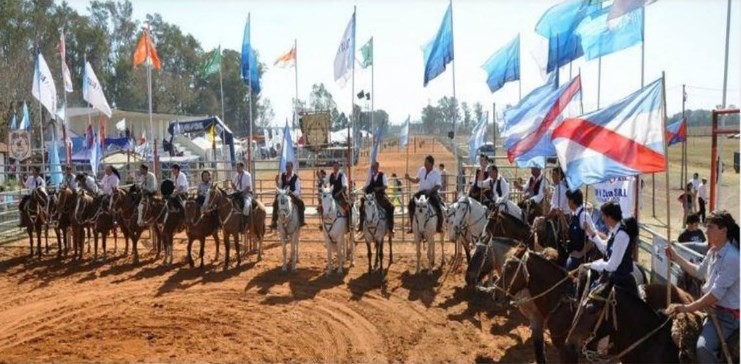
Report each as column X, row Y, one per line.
column 334, row 225
column 511, row 208
column 374, row 230
column 288, row 227
column 424, row 227
column 466, row 222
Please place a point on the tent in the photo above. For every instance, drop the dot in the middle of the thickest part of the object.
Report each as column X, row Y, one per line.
column 202, row 126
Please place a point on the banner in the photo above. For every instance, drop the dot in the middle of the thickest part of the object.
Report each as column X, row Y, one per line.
column 621, row 190
column 315, row 128
column 20, row 144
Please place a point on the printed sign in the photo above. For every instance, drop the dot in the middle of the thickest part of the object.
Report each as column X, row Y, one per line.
column 315, row 128
column 19, row 142
column 621, row 190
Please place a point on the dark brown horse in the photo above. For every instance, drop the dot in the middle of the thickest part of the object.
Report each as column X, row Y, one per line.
column 199, row 227
column 124, row 207
column 167, row 221
column 531, row 210
column 93, row 211
column 507, row 225
column 63, row 204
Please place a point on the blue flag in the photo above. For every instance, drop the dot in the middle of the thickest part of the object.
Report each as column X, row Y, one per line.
column 404, row 134
column 504, row 65
column 515, row 115
column 95, row 155
column 287, row 153
column 478, row 135
column 558, row 24
column 54, row 167
column 439, row 52
column 26, row 121
column 599, row 39
column 13, row 123
column 249, row 61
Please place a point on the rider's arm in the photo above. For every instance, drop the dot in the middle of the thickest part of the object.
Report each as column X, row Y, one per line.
column 297, row 193
column 696, row 270
column 505, row 189
column 248, row 184
column 385, row 184
column 540, row 193
column 619, row 249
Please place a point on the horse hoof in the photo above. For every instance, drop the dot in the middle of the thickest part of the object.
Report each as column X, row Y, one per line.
column 429, row 272
column 293, row 270
column 284, row 269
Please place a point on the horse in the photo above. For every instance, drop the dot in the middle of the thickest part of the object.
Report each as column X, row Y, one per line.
column 642, row 335
column 62, row 208
column 91, row 212
column 153, row 210
column 507, row 225
column 467, row 222
column 374, row 231
column 124, row 205
column 531, row 210
column 488, row 258
column 288, row 227
column 424, row 227
column 334, row 225
column 198, row 227
column 233, row 222
column 35, row 216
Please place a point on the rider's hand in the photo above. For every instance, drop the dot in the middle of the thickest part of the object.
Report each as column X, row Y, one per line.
column 406, row 176
column 669, row 251
column 674, row 309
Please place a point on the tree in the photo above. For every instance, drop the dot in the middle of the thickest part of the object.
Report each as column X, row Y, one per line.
column 478, row 112
column 466, row 115
column 449, row 109
column 431, row 118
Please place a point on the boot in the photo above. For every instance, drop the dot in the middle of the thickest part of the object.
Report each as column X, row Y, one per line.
column 301, row 220
column 273, row 224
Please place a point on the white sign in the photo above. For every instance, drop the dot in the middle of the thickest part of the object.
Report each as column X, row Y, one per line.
column 621, row 190
column 20, row 145
column 659, row 259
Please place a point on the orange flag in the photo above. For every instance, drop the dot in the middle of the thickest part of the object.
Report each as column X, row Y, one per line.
column 145, row 49
column 286, row 60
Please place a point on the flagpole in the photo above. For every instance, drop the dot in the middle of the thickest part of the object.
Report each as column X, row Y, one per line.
column 455, row 100
column 599, row 80
column 41, row 110
column 64, row 119
column 725, row 98
column 683, row 169
column 221, row 87
column 295, row 69
column 249, row 96
column 636, row 208
column 493, row 127
column 350, row 142
column 666, row 174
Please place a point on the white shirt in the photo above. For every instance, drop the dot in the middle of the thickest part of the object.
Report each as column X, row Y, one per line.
column 109, row 183
column 242, row 182
column 148, row 182
column 370, row 175
column 702, row 192
column 428, row 180
column 33, row 182
column 537, row 196
column 69, row 181
column 296, row 193
column 619, row 249
column 90, row 185
column 491, row 183
column 181, row 183
column 695, row 184
column 559, row 200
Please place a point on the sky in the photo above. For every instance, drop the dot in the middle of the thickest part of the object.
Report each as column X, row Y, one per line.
column 683, row 38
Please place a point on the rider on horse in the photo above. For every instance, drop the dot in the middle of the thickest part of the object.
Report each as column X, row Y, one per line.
column 482, row 173
column 290, row 181
column 69, row 179
column 203, row 188
column 576, row 246
column 720, row 270
column 617, row 264
column 109, row 183
column 495, row 188
column 147, row 180
column 181, row 187
column 86, row 183
column 535, row 187
column 429, row 183
column 338, row 182
column 32, row 182
column 241, row 183
column 377, row 183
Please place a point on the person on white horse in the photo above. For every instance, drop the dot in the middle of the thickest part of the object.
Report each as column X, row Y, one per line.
column 241, row 184
column 292, row 183
column 32, row 182
column 377, row 183
column 338, row 183
column 429, row 183
column 181, row 187
column 481, row 175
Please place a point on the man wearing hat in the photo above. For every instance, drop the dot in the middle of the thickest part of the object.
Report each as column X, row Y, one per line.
column 242, row 186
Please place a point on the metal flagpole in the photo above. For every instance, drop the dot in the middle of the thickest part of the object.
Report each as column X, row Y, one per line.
column 637, row 205
column 41, row 111
column 249, row 97
column 221, row 87
column 666, row 173
column 373, row 96
column 67, row 155
column 350, row 142
column 683, row 168
column 295, row 69
column 493, row 127
column 725, row 98
column 455, row 100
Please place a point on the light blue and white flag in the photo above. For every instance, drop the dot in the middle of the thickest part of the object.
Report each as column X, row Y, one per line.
column 478, row 135
column 404, row 134
column 43, row 88
column 287, row 152
column 26, row 120
column 344, row 60
column 503, row 66
column 440, row 51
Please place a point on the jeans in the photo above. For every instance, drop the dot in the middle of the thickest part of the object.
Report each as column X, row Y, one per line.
column 701, row 202
column 708, row 345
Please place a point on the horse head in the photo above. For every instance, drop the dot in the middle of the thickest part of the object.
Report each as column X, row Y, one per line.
column 590, row 313
column 146, row 211
column 480, row 263
column 371, row 207
column 213, row 198
column 191, row 211
column 285, row 205
column 328, row 203
column 64, row 203
column 515, row 275
column 449, row 213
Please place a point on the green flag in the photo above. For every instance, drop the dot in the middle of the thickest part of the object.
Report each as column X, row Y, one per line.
column 213, row 64
column 367, row 52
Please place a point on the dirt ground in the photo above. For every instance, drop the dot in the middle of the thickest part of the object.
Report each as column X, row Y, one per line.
column 71, row 311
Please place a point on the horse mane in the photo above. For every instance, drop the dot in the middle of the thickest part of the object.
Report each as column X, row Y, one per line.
column 513, row 219
column 517, row 252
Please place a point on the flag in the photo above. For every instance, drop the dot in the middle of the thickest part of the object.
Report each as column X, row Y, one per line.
column 54, row 165
column 143, row 138
column 376, row 144
column 366, row 52
column 529, row 141
column 101, row 131
column 95, row 155
column 516, row 114
column 624, row 139
column 121, row 125
column 478, row 135
column 145, row 51
column 287, row 153
column 558, row 24
column 622, row 7
column 286, row 60
column 250, row 76
column 26, row 120
column 344, row 60
column 598, row 39
column 404, row 134
column 65, row 70
column 212, row 133
column 439, row 52
column 676, row 132
column 89, row 136
column 92, row 91
column 213, row 64
column 503, row 66
column 43, row 86
column 13, row 123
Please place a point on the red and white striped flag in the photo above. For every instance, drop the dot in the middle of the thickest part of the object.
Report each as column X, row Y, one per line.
column 66, row 75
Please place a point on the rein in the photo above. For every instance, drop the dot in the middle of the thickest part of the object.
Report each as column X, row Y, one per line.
column 428, row 216
column 376, row 219
column 328, row 226
column 283, row 215
column 465, row 229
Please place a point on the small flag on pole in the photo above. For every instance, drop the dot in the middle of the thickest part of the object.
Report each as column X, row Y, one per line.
column 676, row 132
column 249, row 61
column 287, row 153
column 286, row 60
column 439, row 52
column 213, row 65
column 344, row 60
column 13, row 123
column 503, row 66
column 376, row 143
column 43, row 86
column 92, row 91
column 26, row 120
column 65, row 70
column 54, row 165
column 598, row 39
column 121, row 125
column 366, row 52
column 476, row 140
column 404, row 135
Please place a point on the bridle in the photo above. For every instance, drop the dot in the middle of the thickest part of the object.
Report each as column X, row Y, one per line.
column 145, row 202
column 119, row 209
column 375, row 218
column 428, row 215
column 285, row 209
column 462, row 229
column 81, row 198
column 326, row 215
column 215, row 193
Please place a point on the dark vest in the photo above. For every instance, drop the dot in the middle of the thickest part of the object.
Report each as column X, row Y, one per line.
column 375, row 182
column 335, row 180
column 576, row 234
column 535, row 187
column 626, row 265
column 474, row 188
column 290, row 184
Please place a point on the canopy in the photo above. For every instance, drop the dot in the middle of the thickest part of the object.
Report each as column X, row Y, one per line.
column 202, row 126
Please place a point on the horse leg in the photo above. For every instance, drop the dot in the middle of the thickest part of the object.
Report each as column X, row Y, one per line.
column 216, row 239
column 216, row 235
column 536, row 326
column 135, row 249
column 294, row 251
column 104, row 237
column 29, row 231
column 442, row 251
column 226, row 250
column 38, row 240
column 46, row 238
column 370, row 267
column 328, row 245
column 284, row 242
column 419, row 252
column 391, row 251
column 95, row 241
column 188, row 257
column 236, row 248
column 203, row 247
column 115, row 240
column 341, row 252
column 430, row 253
column 89, row 234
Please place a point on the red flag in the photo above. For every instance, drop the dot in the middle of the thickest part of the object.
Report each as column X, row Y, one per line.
column 143, row 139
column 101, row 131
column 145, row 50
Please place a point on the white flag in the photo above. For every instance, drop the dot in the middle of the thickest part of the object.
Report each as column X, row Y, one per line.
column 43, row 86
column 65, row 70
column 92, row 91
column 121, row 125
column 345, row 58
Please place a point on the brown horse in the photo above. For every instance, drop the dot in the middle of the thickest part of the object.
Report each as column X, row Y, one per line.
column 61, row 214
column 198, row 227
column 167, row 221
column 124, row 207
column 531, row 210
column 507, row 225
column 93, row 211
column 36, row 216
column 233, row 222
